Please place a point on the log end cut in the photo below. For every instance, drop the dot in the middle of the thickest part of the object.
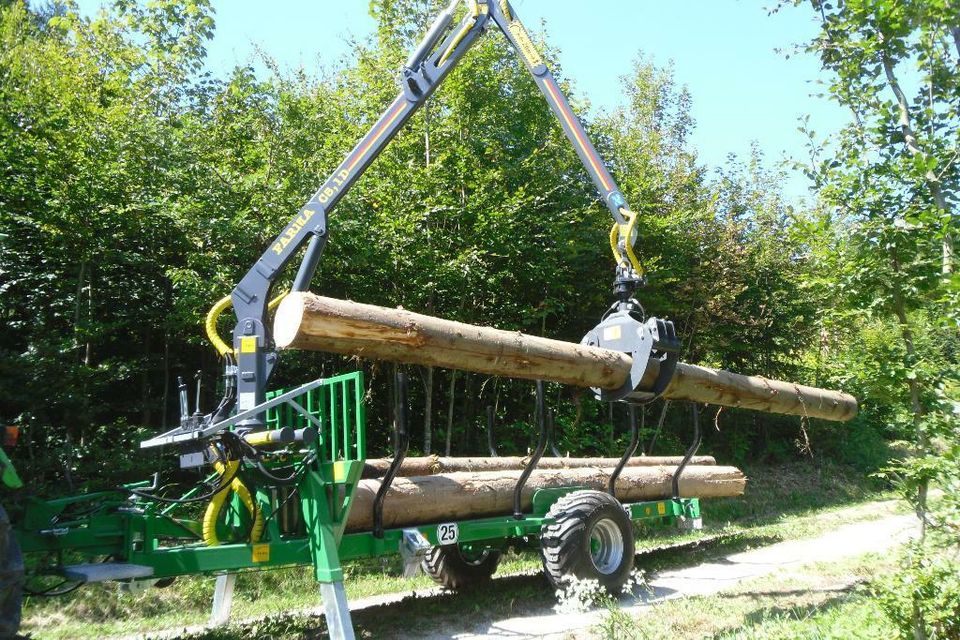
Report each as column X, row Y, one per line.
column 288, row 318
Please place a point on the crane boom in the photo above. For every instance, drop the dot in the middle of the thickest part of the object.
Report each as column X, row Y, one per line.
column 439, row 52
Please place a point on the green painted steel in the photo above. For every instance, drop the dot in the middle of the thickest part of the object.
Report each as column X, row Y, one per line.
column 684, row 507
column 141, row 531
column 8, row 473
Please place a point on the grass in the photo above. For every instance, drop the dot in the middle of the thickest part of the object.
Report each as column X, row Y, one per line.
column 787, row 501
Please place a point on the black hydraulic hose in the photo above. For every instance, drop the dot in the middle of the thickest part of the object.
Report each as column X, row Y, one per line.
column 229, row 394
column 294, row 476
column 223, row 486
column 540, row 419
column 224, row 483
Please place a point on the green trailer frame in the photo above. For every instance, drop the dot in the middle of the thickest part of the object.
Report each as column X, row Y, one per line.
column 161, row 542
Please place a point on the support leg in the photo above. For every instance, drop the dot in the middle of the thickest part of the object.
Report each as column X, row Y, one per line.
column 222, row 598
column 336, row 610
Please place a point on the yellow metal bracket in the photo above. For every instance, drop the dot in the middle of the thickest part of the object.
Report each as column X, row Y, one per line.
column 622, row 239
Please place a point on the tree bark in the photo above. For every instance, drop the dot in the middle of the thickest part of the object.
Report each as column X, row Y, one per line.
column 432, row 465
column 455, row 496
column 913, row 146
column 308, row 321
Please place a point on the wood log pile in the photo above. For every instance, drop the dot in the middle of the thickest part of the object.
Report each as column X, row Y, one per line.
column 432, row 465
column 460, row 495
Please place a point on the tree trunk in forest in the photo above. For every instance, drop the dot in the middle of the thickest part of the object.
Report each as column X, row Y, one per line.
column 913, row 384
column 88, row 348
column 78, row 302
column 466, row 417
column 450, row 404
column 308, row 321
column 428, row 411
column 145, row 370
column 432, row 465
column 166, row 378
column 913, row 146
column 454, row 496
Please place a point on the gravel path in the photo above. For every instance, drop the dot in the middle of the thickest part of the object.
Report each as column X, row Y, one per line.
column 846, row 541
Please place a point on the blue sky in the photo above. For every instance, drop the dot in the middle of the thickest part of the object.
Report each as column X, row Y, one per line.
column 723, row 50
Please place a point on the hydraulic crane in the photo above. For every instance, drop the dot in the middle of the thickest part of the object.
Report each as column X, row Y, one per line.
column 439, row 52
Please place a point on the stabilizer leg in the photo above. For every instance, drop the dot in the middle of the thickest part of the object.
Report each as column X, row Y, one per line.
column 336, row 610
column 222, row 598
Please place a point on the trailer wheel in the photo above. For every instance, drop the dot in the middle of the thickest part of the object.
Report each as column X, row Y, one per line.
column 591, row 539
column 11, row 579
column 457, row 568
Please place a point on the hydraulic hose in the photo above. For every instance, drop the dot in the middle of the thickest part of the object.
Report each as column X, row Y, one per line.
column 210, row 324
column 215, row 507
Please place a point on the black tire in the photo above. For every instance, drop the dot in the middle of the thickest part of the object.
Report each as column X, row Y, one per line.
column 591, row 539
column 11, row 579
column 454, row 568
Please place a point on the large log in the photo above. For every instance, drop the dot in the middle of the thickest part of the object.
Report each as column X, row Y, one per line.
column 308, row 321
column 716, row 386
column 431, row 465
column 456, row 496
column 316, row 323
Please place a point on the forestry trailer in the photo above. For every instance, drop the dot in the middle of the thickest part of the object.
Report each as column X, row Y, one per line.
column 285, row 465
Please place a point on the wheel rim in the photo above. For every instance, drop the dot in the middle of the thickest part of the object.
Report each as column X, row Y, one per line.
column 473, row 556
column 606, row 546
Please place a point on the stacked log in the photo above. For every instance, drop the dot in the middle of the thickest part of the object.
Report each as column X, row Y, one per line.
column 433, row 465
column 456, row 496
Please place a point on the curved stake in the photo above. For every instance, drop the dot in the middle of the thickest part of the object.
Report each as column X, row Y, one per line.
column 695, row 411
column 402, row 440
column 631, row 449
column 540, row 418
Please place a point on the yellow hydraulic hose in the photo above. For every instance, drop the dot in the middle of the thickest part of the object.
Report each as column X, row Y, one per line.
column 213, row 315
column 216, row 504
column 475, row 11
column 211, row 325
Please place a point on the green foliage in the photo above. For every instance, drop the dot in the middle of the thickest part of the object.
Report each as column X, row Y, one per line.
column 884, row 236
column 138, row 190
column 930, row 584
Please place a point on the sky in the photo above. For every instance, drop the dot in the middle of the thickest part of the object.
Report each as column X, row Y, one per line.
column 725, row 51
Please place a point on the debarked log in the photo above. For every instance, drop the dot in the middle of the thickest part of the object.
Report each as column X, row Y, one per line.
column 456, row 496
column 312, row 322
column 431, row 465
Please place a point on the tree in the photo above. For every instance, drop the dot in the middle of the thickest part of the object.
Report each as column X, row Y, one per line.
column 888, row 186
